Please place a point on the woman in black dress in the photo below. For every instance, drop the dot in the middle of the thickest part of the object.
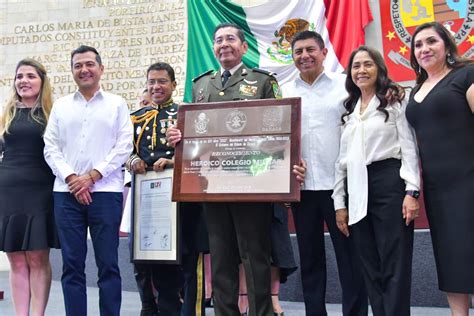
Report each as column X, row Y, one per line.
column 26, row 212
column 441, row 111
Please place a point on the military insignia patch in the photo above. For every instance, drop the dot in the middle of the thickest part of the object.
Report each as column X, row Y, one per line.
column 276, row 89
column 248, row 90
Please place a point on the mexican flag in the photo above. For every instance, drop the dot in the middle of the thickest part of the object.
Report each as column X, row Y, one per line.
column 269, row 28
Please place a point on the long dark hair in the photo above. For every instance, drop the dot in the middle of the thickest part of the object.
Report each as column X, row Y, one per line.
column 449, row 44
column 387, row 91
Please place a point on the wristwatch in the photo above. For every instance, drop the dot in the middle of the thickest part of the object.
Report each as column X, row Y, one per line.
column 413, row 193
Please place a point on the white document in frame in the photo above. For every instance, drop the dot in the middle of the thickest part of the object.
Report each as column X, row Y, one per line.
column 155, row 214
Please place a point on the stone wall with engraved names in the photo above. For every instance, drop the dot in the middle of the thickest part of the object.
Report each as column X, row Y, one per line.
column 129, row 34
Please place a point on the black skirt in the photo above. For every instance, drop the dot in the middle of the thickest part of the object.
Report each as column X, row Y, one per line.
column 282, row 251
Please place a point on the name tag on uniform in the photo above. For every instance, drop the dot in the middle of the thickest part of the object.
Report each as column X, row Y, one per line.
column 248, row 90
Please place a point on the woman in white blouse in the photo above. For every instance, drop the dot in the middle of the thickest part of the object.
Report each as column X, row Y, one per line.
column 377, row 174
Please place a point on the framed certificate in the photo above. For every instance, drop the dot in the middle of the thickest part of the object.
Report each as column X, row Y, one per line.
column 238, row 151
column 155, row 220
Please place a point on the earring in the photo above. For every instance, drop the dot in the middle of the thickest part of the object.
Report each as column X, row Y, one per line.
column 450, row 59
column 419, row 69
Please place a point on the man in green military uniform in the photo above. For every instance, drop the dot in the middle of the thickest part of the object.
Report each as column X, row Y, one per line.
column 238, row 232
column 242, row 83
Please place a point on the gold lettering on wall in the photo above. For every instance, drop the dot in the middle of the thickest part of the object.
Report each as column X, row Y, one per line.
column 130, row 35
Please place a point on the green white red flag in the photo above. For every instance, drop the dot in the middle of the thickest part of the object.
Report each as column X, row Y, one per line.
column 269, row 28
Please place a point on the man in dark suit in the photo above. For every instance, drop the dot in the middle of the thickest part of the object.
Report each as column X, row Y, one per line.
column 238, row 232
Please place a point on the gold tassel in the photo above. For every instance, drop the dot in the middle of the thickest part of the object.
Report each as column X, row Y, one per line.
column 146, row 117
column 199, row 284
column 153, row 135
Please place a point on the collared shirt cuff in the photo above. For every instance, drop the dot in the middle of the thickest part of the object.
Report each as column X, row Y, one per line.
column 411, row 187
column 339, row 203
column 101, row 168
column 66, row 172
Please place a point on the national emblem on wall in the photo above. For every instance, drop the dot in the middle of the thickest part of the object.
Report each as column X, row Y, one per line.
column 401, row 17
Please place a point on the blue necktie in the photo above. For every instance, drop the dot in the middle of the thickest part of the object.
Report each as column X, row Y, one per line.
column 225, row 76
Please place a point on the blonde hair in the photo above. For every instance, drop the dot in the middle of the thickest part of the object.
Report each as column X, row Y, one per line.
column 45, row 98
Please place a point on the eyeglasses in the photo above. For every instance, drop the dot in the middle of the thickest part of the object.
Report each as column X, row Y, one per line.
column 161, row 82
column 228, row 38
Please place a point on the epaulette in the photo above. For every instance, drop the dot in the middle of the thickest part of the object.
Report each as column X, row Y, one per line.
column 268, row 73
column 202, row 75
column 142, row 110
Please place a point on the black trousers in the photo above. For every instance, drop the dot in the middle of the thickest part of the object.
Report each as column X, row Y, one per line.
column 194, row 240
column 167, row 280
column 315, row 208
column 145, row 288
column 193, row 280
column 240, row 232
column 384, row 242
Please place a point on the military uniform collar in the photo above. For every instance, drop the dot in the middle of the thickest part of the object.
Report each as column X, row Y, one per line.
column 162, row 105
column 233, row 69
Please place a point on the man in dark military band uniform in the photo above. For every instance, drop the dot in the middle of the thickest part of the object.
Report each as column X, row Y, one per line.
column 151, row 150
column 238, row 232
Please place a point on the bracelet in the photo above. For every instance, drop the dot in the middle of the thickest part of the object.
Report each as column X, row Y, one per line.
column 92, row 179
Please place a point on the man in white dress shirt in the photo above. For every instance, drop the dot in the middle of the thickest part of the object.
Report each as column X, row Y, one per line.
column 87, row 140
column 322, row 95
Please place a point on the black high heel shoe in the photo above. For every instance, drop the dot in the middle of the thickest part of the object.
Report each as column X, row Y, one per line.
column 209, row 301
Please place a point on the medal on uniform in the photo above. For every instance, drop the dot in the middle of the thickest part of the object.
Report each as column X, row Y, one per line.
column 248, row 90
column 163, row 126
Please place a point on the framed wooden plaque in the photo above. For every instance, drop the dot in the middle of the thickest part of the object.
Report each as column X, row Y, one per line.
column 238, row 151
